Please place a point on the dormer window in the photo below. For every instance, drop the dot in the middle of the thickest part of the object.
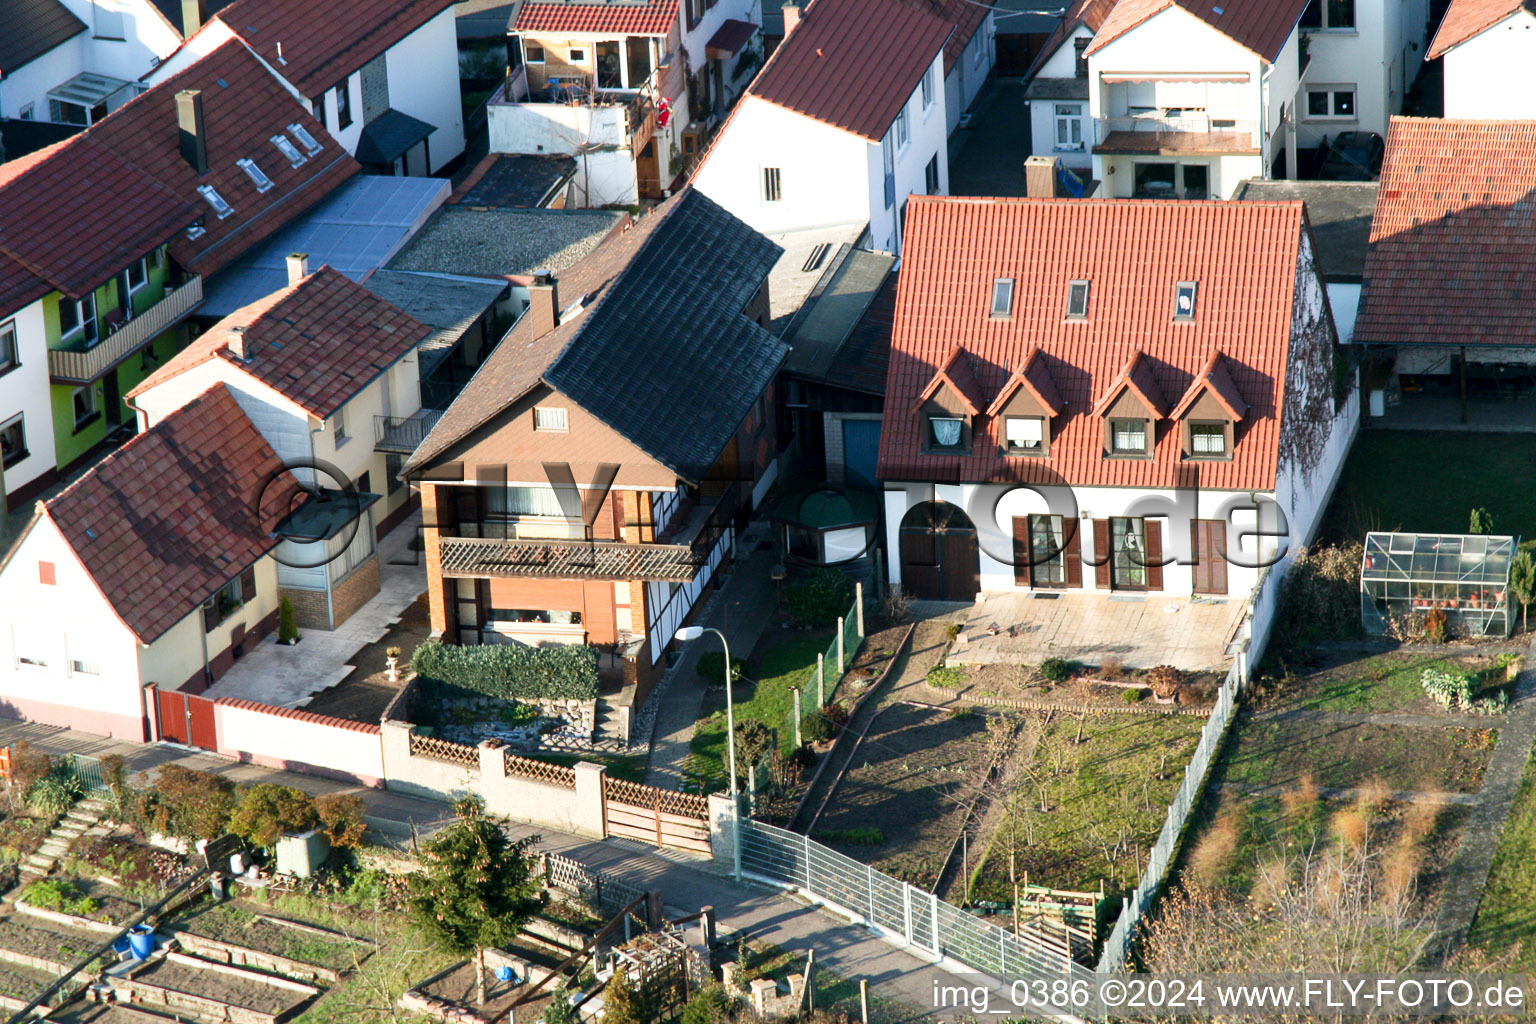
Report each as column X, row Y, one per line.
column 211, row 194
column 1184, row 300
column 260, row 180
column 1024, row 435
column 1002, row 297
column 289, row 150
column 1077, row 300
column 1207, row 439
column 306, row 140
column 948, row 407
column 1210, row 411
column 1128, row 437
column 946, row 432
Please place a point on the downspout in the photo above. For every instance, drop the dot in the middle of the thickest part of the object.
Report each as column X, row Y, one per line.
column 330, row 611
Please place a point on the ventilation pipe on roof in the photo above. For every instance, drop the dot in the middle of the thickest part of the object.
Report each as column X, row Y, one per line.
column 239, row 345
column 791, row 17
column 544, row 303
column 298, row 267
column 194, row 135
column 193, row 14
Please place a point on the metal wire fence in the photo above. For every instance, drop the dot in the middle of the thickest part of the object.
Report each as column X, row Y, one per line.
column 901, row 913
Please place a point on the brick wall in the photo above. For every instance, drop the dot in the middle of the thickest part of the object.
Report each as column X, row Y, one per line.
column 361, row 584
column 437, row 605
column 311, row 610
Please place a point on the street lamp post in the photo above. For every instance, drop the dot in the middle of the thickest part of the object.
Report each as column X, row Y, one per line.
column 685, row 634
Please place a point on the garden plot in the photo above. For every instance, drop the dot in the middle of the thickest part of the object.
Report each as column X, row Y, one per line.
column 42, row 945
column 20, row 985
column 242, row 935
column 1390, row 683
column 183, row 984
column 89, row 904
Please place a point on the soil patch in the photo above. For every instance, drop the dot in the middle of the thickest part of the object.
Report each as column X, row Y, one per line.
column 1001, row 683
column 245, row 991
column 21, row 835
column 242, row 925
column 17, row 982
column 363, row 695
column 32, row 936
column 458, row 986
column 138, row 869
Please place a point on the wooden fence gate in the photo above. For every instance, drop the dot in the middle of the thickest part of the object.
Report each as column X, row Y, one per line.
column 186, row 718
column 661, row 816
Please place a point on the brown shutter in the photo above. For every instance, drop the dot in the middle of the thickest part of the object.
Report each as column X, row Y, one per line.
column 1202, row 565
column 210, row 615
column 1101, row 553
column 1154, row 531
column 1021, row 566
column 1216, row 530
column 1072, row 552
column 248, row 585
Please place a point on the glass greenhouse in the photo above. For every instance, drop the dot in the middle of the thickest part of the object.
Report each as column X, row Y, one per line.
column 1407, row 574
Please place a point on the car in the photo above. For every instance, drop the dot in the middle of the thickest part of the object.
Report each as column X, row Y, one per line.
column 1352, row 156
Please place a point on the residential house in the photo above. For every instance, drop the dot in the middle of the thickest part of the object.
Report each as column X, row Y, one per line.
column 1057, row 93
column 1106, row 396
column 1024, row 28
column 1189, row 99
column 969, row 55
column 76, row 61
column 581, row 489
column 1486, row 46
column 167, row 190
column 840, row 126
column 327, row 371
column 380, row 75
column 1445, row 318
column 154, row 569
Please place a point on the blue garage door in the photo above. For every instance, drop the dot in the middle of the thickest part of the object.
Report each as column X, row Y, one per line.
column 861, row 450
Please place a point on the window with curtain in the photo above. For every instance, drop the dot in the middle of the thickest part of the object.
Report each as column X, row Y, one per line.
column 348, row 552
column 1208, row 438
column 1127, row 548
column 507, row 502
column 1046, row 537
column 1024, row 435
column 1129, row 436
column 947, row 431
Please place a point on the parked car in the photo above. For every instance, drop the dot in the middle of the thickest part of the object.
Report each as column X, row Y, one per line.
column 1352, row 156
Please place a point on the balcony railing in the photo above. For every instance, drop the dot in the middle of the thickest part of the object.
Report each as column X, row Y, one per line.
column 401, row 435
column 1198, row 124
column 82, row 365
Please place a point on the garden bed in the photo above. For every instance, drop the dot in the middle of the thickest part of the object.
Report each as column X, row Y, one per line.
column 109, row 911
column 183, row 984
column 363, row 695
column 20, row 985
column 451, row 995
column 1385, row 683
column 1087, row 688
column 21, row 835
column 44, row 946
column 241, row 934
column 137, row 869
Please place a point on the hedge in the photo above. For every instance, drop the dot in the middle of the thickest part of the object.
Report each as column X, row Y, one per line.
column 511, row 671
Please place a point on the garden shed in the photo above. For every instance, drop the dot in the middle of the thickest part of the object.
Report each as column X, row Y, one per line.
column 1407, row 574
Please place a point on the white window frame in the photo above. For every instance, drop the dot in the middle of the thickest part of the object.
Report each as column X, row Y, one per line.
column 1119, row 427
column 339, row 427
column 927, row 88
column 10, row 358
column 1023, row 447
column 933, row 434
column 21, row 454
column 1074, row 288
column 1072, row 123
column 1002, row 298
column 902, row 129
column 143, row 268
column 1332, row 91
column 221, row 207
column 289, row 151
column 1180, row 290
column 543, row 50
column 85, row 312
column 552, row 419
column 1197, row 439
column 92, row 406
column 28, row 112
column 306, row 140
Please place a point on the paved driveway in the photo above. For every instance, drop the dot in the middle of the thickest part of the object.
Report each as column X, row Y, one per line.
column 987, row 159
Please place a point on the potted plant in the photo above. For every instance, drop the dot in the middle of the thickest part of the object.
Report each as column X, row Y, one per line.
column 392, row 659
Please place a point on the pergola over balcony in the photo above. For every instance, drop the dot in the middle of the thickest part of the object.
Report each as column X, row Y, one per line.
column 568, row 559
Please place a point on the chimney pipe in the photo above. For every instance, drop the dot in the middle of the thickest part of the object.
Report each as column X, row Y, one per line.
column 193, row 14
column 238, row 345
column 298, row 267
column 194, row 137
column 544, row 303
column 791, row 17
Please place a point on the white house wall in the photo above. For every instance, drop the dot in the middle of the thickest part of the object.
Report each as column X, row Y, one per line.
column 606, row 173
column 25, row 390
column 963, row 83
column 929, row 138
column 1042, row 113
column 423, row 73
column 68, row 621
column 147, row 39
column 177, row 655
column 1493, row 74
column 1380, row 57
column 695, row 42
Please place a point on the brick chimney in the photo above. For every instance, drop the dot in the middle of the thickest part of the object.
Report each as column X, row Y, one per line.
column 544, row 303
column 193, row 14
column 791, row 18
column 239, row 346
column 1040, row 177
column 298, row 267
column 194, row 135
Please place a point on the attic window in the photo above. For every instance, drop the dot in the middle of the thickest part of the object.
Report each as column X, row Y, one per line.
column 288, row 149
column 1077, row 300
column 948, row 432
column 1208, row 439
column 215, row 200
column 260, row 180
column 195, row 232
column 550, row 418
column 1184, row 300
column 306, row 140
column 1128, row 437
column 1002, row 297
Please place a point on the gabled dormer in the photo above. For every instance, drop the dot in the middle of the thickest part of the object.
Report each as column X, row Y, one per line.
column 1130, row 410
column 949, row 407
column 1209, row 412
column 1026, row 408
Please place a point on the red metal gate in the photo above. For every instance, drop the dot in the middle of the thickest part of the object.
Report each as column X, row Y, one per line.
column 186, row 718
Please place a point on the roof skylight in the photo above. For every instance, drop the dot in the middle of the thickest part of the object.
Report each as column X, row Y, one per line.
column 215, row 200
column 306, row 140
column 261, row 181
column 288, row 149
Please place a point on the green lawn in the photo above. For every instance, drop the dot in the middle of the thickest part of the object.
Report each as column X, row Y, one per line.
column 1384, row 683
column 630, row 769
column 781, row 661
column 1271, row 751
column 1506, row 916
column 1423, row 481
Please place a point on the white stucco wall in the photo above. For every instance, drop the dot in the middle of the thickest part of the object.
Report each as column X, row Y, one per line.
column 25, row 390
column 146, row 39
column 176, row 656
column 424, row 82
column 1493, row 74
column 605, row 176
column 1042, row 113
column 965, row 79
column 280, row 738
column 1379, row 57
column 695, row 42
column 207, row 39
column 59, row 624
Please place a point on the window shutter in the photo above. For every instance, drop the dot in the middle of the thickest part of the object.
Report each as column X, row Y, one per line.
column 46, row 575
column 248, row 585
column 1072, row 552
column 1218, row 533
column 210, row 615
column 1154, row 530
column 1202, row 566
column 1021, row 567
column 1101, row 553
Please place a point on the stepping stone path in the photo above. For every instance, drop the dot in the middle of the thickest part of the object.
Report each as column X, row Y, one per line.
column 83, row 819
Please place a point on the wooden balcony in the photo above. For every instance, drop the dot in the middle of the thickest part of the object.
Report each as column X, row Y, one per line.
column 81, row 365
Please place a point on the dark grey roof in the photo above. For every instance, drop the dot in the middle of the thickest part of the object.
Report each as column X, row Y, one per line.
column 483, row 19
column 567, row 560
column 389, row 135
column 499, row 242
column 1057, row 89
column 173, row 9
column 1340, row 214
column 447, row 303
column 668, row 357
column 31, row 28
column 833, row 310
column 518, row 181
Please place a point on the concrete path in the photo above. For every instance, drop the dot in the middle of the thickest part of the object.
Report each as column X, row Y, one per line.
column 987, row 159
column 901, row 981
column 742, row 609
column 289, row 676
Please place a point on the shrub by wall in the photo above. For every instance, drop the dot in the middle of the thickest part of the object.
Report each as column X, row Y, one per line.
column 511, row 671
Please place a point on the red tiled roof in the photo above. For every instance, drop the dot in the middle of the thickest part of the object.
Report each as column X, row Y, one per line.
column 853, row 63
column 1081, row 12
column 1035, row 377
column 655, row 18
column 118, row 212
column 957, row 376
column 172, row 516
column 318, row 342
column 1262, row 26
column 244, row 105
column 1217, row 379
column 1138, row 378
column 323, row 42
column 1452, row 257
column 1134, row 253
column 966, row 16
column 1466, row 18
